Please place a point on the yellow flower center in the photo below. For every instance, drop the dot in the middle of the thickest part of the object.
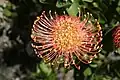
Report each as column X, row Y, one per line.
column 67, row 34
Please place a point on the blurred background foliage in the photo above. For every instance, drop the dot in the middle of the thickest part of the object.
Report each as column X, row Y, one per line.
column 17, row 58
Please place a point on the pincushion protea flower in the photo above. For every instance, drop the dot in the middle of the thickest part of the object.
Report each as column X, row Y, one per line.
column 116, row 36
column 62, row 38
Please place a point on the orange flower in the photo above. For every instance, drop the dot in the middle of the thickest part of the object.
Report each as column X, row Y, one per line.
column 60, row 38
column 116, row 36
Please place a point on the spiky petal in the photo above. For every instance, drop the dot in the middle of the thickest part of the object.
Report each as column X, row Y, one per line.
column 116, row 36
column 60, row 38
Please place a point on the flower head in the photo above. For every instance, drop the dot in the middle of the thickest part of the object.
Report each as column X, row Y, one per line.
column 60, row 38
column 116, row 36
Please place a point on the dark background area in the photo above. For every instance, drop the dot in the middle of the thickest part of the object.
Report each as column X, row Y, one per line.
column 17, row 58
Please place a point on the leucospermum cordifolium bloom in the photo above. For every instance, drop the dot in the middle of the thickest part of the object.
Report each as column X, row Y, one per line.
column 63, row 38
column 116, row 36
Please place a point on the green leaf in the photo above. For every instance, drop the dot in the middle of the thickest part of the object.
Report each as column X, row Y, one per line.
column 87, row 72
column 43, row 2
column 88, row 0
column 93, row 65
column 7, row 13
column 95, row 4
column 73, row 9
column 52, row 77
column 60, row 4
column 118, row 9
column 101, row 56
column 101, row 18
column 45, row 68
column 72, row 0
column 9, row 6
column 99, row 77
column 119, row 3
column 117, row 72
column 118, row 50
